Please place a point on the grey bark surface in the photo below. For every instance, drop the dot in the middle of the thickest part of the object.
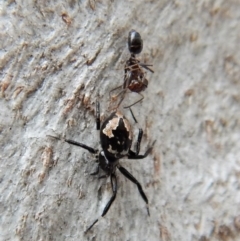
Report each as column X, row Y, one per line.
column 58, row 57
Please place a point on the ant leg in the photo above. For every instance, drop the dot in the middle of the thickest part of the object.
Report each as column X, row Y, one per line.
column 98, row 122
column 132, row 67
column 122, row 92
column 117, row 94
column 142, row 97
column 133, row 115
column 127, row 78
column 135, row 181
column 114, row 189
column 114, row 89
column 137, row 62
column 146, row 66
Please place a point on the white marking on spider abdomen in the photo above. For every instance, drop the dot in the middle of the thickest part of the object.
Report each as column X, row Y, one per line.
column 113, row 125
column 115, row 152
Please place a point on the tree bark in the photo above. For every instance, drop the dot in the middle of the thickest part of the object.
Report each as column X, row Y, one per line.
column 58, row 58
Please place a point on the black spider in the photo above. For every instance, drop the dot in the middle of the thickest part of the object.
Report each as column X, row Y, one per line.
column 116, row 141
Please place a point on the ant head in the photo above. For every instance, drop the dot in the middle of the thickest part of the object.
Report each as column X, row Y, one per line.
column 135, row 43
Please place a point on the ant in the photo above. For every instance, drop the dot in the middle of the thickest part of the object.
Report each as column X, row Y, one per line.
column 134, row 76
column 116, row 140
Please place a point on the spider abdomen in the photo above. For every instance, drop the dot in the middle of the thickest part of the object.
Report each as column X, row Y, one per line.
column 116, row 135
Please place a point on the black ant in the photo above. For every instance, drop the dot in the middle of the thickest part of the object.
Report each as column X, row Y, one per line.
column 116, row 140
column 134, row 77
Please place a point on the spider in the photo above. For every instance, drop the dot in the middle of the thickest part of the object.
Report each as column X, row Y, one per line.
column 116, row 140
column 134, row 76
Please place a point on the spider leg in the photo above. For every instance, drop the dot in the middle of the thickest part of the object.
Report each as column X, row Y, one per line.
column 114, row 189
column 98, row 121
column 135, row 181
column 96, row 171
column 90, row 149
column 140, row 133
column 134, row 155
column 138, row 144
